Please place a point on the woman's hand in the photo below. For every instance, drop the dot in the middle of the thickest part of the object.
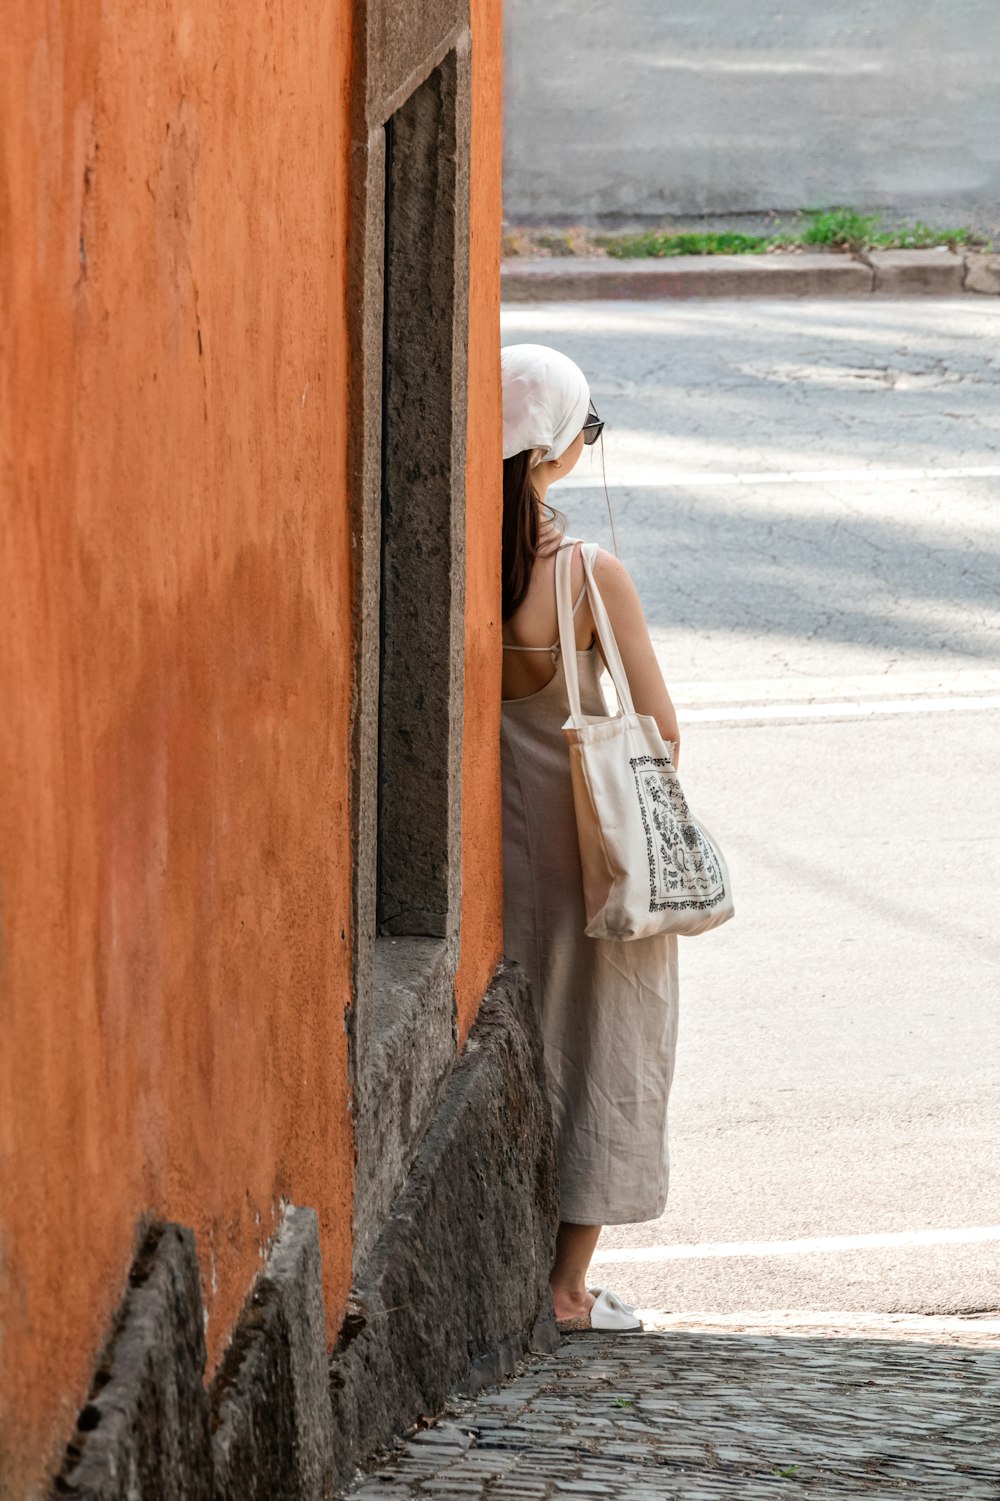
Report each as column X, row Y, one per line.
column 649, row 691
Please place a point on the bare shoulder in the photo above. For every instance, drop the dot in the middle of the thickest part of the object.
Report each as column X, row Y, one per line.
column 613, row 578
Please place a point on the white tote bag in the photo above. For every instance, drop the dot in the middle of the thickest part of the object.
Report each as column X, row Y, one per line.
column 648, row 865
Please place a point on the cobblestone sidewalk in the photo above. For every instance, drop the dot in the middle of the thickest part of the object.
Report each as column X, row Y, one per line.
column 775, row 1406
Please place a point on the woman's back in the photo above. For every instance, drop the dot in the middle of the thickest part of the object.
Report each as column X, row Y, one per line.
column 531, row 634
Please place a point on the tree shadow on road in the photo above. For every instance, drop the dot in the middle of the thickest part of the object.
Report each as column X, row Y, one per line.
column 716, row 562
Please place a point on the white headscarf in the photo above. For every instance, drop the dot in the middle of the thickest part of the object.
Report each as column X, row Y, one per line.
column 545, row 400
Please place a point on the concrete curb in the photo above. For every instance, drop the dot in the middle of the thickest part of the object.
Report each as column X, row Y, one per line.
column 887, row 273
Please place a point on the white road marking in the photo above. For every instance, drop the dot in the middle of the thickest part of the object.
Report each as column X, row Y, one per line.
column 795, row 688
column 974, row 1235
column 826, row 67
column 830, row 1323
column 663, row 479
column 846, row 709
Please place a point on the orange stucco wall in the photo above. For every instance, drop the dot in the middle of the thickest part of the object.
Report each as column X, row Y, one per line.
column 175, row 671
column 482, row 884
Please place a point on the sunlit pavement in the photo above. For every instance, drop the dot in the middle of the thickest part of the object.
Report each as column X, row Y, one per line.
column 808, row 497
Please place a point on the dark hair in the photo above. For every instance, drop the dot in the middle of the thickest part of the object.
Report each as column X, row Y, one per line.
column 520, row 528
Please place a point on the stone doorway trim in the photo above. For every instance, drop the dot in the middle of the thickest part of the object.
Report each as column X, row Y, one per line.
column 416, row 65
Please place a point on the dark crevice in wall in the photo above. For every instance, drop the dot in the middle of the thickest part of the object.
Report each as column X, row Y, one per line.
column 89, row 171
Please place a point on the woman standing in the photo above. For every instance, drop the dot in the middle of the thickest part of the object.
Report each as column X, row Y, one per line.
column 608, row 1009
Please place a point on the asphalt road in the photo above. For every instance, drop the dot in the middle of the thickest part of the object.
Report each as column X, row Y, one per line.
column 643, row 110
column 808, row 497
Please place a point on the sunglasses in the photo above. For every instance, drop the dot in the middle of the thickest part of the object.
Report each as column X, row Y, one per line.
column 593, row 427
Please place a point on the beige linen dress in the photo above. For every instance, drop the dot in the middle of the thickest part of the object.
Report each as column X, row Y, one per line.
column 608, row 1009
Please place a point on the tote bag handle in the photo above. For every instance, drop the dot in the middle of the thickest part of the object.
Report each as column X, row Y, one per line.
column 602, row 624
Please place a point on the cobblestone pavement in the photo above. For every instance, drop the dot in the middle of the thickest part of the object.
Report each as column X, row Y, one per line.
column 750, row 1406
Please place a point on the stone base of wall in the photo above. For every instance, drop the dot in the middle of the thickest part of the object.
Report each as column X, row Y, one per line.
column 454, row 1292
column 457, row 1286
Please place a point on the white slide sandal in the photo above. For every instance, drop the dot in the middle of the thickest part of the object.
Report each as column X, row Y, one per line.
column 609, row 1314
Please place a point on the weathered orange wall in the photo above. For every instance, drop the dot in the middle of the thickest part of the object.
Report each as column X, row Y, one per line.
column 174, row 678
column 482, row 882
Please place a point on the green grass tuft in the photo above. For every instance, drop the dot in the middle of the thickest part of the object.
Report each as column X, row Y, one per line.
column 652, row 243
column 843, row 228
column 837, row 228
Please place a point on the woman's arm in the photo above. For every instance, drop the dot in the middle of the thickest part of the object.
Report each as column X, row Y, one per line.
column 649, row 691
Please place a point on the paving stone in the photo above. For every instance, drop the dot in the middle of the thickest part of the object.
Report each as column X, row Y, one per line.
column 444, row 1436
column 448, row 1485
column 583, row 1487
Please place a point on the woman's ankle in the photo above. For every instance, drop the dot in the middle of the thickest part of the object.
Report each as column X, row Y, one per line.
column 568, row 1302
column 568, row 1276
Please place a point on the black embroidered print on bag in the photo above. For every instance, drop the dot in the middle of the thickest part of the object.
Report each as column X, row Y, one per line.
column 683, row 870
